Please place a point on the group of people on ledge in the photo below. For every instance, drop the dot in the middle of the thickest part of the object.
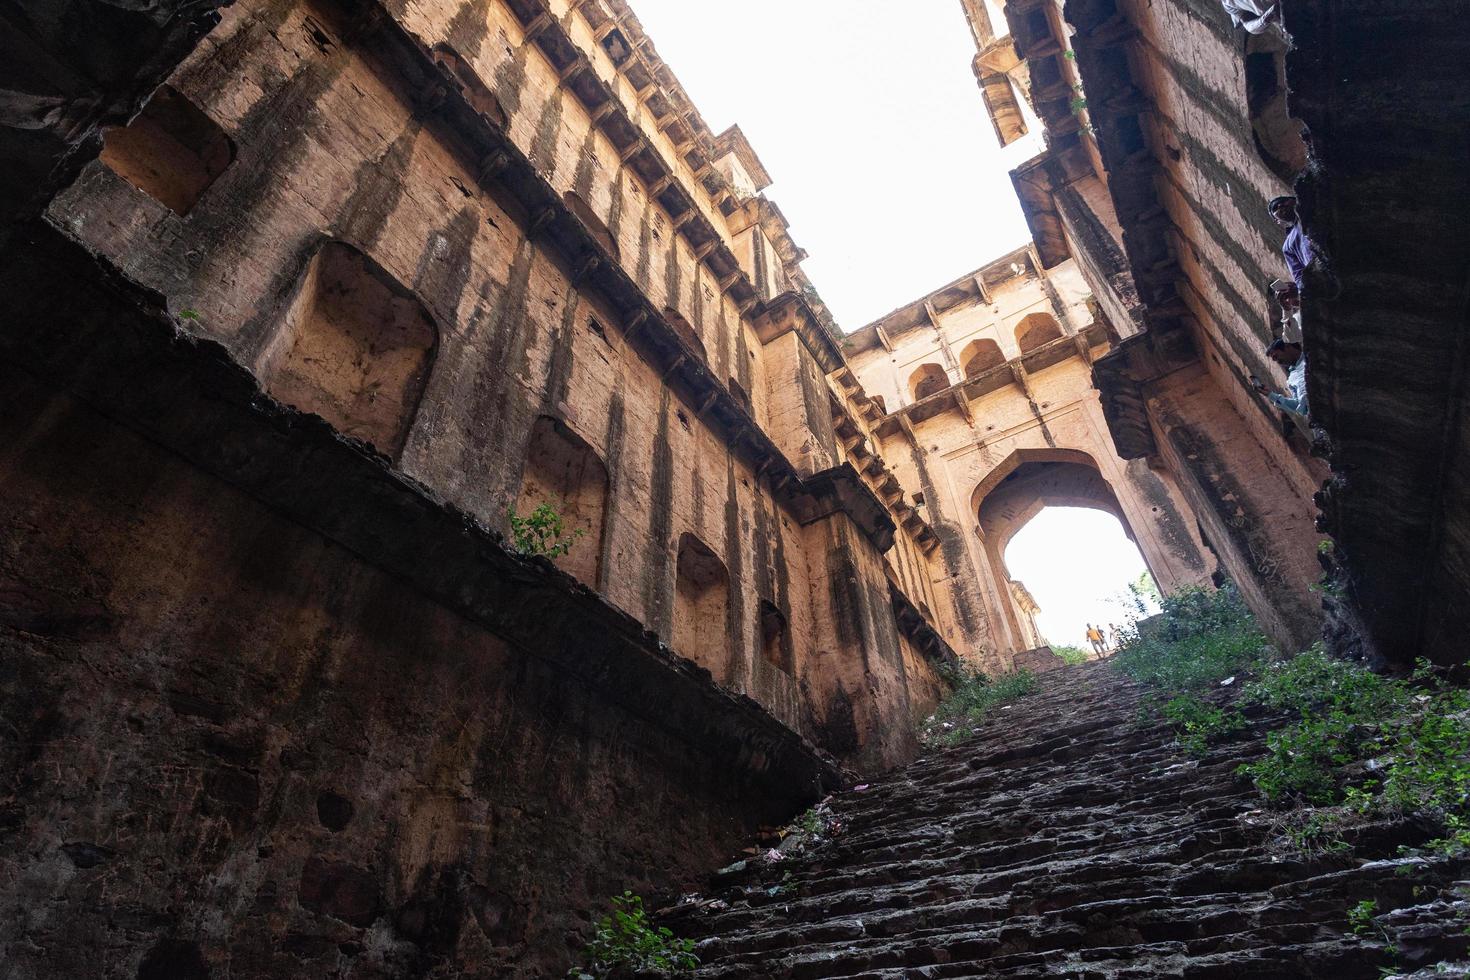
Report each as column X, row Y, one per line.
column 1286, row 349
column 1258, row 17
column 1104, row 643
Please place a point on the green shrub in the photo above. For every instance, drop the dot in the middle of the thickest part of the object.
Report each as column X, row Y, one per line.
column 1415, row 733
column 626, row 942
column 1200, row 724
column 1360, row 916
column 1351, row 745
column 540, row 532
column 1072, row 656
column 974, row 694
column 1200, row 639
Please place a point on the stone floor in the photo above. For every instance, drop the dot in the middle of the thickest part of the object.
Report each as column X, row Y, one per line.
column 1070, row 838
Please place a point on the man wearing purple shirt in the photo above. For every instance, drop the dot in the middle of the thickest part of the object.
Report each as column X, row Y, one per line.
column 1297, row 249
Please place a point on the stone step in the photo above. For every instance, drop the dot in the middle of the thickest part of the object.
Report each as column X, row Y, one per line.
column 1065, row 838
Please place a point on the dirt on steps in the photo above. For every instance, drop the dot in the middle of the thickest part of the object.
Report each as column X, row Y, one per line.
column 1071, row 838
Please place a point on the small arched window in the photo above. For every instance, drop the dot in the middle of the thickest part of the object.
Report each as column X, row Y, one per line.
column 980, row 356
column 776, row 638
column 1035, row 330
column 928, row 380
column 701, row 606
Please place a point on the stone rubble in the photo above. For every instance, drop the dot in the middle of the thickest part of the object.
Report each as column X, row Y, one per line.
column 1072, row 838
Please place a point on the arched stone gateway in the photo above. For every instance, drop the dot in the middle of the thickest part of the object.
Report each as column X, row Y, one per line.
column 1018, row 435
column 1027, row 483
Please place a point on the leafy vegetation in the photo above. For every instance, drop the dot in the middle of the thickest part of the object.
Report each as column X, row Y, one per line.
column 627, row 942
column 1072, row 656
column 1199, row 723
column 541, row 532
column 974, row 694
column 1360, row 916
column 1199, row 640
column 1349, row 745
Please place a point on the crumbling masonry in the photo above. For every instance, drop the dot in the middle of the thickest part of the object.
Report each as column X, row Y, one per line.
column 303, row 300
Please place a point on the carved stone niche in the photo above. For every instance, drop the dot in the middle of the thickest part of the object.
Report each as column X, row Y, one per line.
column 355, row 347
column 170, row 151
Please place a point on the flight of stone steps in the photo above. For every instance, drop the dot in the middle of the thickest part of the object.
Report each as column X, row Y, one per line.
column 1071, row 838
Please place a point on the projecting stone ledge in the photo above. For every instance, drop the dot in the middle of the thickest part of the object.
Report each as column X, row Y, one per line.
column 115, row 346
column 316, row 674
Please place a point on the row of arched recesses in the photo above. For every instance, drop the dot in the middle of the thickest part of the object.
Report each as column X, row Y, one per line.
column 357, row 348
column 1033, row 331
column 702, row 621
column 564, row 471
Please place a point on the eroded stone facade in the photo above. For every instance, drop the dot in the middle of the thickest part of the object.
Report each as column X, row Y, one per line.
column 301, row 316
column 1167, row 134
column 993, row 416
column 305, row 298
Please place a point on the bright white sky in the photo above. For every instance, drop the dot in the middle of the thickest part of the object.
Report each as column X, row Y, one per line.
column 869, row 119
column 1076, row 563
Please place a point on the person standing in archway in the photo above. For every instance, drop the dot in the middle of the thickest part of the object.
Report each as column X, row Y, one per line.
column 1095, row 637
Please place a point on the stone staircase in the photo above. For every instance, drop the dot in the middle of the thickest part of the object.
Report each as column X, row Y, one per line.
column 1070, row 838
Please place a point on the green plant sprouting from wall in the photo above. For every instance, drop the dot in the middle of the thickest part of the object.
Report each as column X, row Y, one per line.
column 541, row 532
column 628, row 943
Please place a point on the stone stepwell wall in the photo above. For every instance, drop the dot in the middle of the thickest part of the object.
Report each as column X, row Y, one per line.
column 276, row 711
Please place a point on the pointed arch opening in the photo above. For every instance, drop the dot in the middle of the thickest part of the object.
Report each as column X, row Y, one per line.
column 980, row 356
column 1059, row 546
column 1036, row 330
column 928, row 379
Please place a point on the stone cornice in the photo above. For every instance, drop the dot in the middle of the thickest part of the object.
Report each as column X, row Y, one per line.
column 972, row 287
